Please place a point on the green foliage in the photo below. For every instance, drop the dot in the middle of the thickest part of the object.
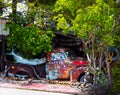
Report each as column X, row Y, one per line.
column 96, row 20
column 45, row 2
column 117, row 24
column 30, row 33
column 62, row 23
column 29, row 39
column 70, row 7
column 92, row 21
column 66, row 12
column 116, row 78
column 86, row 18
column 102, row 80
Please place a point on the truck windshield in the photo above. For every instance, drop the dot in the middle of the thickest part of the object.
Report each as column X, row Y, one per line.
column 58, row 56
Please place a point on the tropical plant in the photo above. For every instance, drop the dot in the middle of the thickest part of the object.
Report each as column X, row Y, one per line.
column 30, row 32
column 28, row 38
column 90, row 20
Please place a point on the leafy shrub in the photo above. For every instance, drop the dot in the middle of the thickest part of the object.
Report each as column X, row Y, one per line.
column 29, row 39
column 116, row 79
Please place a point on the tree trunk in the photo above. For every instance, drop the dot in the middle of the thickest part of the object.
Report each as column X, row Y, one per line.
column 108, row 69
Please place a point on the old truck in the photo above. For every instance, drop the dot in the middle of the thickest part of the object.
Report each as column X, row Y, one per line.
column 60, row 64
column 63, row 64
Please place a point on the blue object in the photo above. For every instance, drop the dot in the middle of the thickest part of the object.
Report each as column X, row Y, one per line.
column 22, row 60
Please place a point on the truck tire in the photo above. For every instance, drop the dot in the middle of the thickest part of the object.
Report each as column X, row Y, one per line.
column 115, row 54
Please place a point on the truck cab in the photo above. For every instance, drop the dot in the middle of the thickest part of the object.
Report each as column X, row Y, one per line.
column 63, row 64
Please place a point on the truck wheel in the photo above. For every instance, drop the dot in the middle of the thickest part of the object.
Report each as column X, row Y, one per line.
column 22, row 75
column 87, row 88
column 81, row 80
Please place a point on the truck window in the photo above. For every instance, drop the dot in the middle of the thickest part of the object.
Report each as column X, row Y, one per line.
column 58, row 56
